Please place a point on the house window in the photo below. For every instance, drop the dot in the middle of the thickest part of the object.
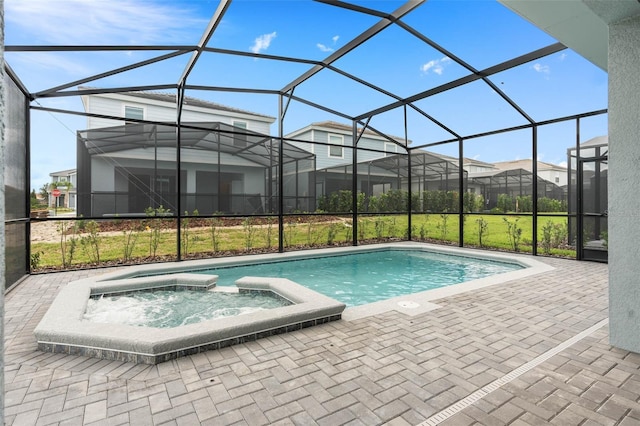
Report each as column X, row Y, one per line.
column 240, row 140
column 335, row 147
column 557, row 180
column 136, row 113
column 390, row 149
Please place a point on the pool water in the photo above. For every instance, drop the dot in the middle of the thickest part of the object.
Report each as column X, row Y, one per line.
column 167, row 308
column 357, row 279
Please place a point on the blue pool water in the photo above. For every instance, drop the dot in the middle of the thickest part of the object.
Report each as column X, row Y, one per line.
column 360, row 278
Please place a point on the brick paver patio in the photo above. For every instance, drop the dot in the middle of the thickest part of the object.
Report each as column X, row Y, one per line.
column 529, row 352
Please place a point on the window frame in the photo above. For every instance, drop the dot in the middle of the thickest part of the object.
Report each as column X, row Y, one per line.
column 132, row 107
column 240, row 141
column 332, row 144
column 388, row 153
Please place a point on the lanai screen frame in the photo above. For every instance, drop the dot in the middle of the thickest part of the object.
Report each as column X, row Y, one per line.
column 285, row 95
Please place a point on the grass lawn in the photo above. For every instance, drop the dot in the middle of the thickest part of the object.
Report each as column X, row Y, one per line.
column 155, row 242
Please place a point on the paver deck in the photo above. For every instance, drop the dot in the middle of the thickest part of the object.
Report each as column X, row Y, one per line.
column 527, row 352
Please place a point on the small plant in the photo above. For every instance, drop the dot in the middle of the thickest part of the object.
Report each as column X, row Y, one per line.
column 348, row 226
column 155, row 227
column 185, row 237
column 442, row 226
column 362, row 229
column 423, row 231
column 131, row 234
column 91, row 242
column 482, row 230
column 332, row 232
column 67, row 243
column 514, row 233
column 391, row 228
column 604, row 236
column 214, row 229
column 269, row 230
column 34, row 260
column 413, row 232
column 288, row 234
column 378, row 226
column 80, row 224
column 312, row 238
column 249, row 232
column 559, row 234
column 547, row 230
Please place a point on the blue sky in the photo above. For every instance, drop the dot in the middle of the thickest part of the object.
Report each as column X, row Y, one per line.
column 480, row 32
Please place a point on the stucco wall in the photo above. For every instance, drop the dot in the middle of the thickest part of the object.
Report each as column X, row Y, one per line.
column 624, row 184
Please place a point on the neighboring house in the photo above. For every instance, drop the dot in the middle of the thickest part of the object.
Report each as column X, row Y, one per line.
column 476, row 166
column 333, row 142
column 228, row 161
column 547, row 171
column 333, row 151
column 65, row 181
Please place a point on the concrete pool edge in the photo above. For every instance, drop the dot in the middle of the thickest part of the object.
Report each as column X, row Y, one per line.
column 404, row 304
column 62, row 329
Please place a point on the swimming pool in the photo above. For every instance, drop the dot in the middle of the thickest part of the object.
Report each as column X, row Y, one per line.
column 359, row 278
column 64, row 330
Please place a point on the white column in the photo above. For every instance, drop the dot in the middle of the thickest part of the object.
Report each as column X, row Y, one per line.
column 624, row 184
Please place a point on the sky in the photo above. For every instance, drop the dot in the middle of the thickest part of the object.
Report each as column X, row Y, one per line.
column 482, row 33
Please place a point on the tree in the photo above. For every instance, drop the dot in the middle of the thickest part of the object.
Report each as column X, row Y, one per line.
column 44, row 190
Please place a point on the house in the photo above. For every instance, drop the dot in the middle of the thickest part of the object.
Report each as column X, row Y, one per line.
column 550, row 172
column 227, row 160
column 65, row 181
column 332, row 146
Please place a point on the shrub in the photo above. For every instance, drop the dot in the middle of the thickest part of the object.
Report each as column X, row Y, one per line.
column 483, row 225
column 514, row 233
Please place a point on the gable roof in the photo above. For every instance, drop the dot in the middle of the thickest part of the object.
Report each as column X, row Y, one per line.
column 342, row 128
column 188, row 100
column 526, row 164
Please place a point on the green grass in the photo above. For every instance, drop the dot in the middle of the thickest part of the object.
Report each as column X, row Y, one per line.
column 305, row 232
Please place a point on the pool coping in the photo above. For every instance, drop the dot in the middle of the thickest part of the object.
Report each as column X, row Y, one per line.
column 63, row 330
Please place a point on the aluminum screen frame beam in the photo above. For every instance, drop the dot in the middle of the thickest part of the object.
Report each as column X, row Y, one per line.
column 206, row 36
column 512, row 63
column 364, row 36
column 110, row 73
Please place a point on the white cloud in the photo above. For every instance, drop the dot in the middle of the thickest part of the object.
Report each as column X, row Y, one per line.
column 100, row 22
column 45, row 61
column 562, row 164
column 263, row 42
column 562, row 56
column 435, row 65
column 324, row 48
column 544, row 69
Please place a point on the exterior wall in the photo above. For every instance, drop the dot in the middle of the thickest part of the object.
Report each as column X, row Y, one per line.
column 105, row 178
column 477, row 169
column 166, row 112
column 322, row 151
column 243, row 180
column 551, row 175
column 624, row 181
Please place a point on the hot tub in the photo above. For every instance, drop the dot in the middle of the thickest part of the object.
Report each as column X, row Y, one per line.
column 64, row 330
